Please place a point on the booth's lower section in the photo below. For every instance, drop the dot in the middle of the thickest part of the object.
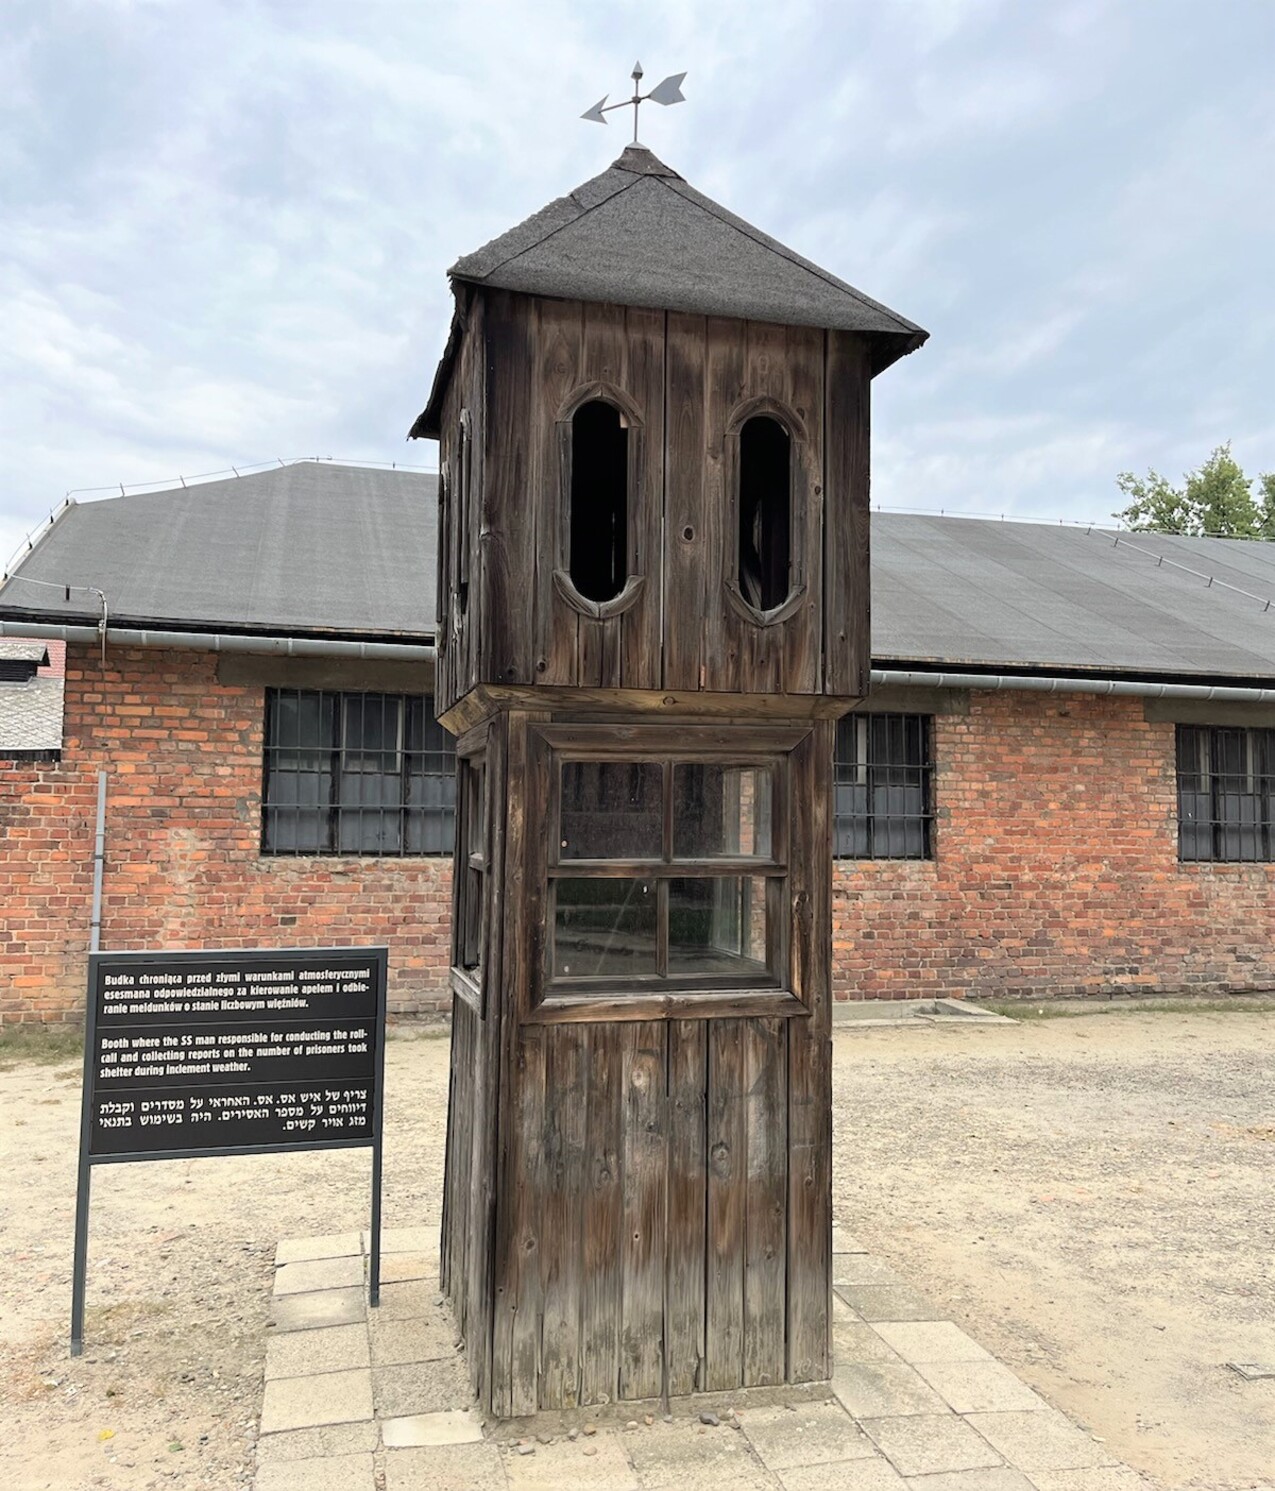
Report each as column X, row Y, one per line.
column 653, row 1214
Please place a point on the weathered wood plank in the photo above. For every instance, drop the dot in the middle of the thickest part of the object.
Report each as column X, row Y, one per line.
column 560, row 335
column 686, row 551
column 530, row 1241
column 564, row 1175
column 846, row 597
column 810, row 1069
column 687, row 1182
column 446, row 1245
column 501, row 499
column 727, row 1139
column 478, row 1338
column 645, row 1170
column 602, row 1220
column 507, row 978
column 803, row 633
column 765, row 1226
column 638, row 663
column 724, row 639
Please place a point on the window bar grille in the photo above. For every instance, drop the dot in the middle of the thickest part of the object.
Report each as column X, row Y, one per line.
column 883, row 787
column 356, row 774
column 1226, row 782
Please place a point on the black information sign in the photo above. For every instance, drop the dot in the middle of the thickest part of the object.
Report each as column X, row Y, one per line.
column 214, row 1053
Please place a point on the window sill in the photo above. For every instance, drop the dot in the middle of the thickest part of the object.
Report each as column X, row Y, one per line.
column 324, row 857
column 703, row 1004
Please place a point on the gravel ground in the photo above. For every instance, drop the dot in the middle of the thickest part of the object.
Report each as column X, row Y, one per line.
column 1092, row 1198
column 181, row 1258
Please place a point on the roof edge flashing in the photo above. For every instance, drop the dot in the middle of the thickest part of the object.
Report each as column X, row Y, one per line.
column 286, row 646
column 1041, row 683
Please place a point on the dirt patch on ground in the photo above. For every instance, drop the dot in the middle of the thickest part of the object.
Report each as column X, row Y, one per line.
column 181, row 1255
column 1092, row 1198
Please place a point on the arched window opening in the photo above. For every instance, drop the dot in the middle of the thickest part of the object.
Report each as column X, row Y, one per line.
column 598, row 561
column 463, row 514
column 765, row 512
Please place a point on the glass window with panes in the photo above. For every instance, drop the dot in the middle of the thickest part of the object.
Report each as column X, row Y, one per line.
column 1226, row 777
column 356, row 774
column 666, row 872
column 882, row 785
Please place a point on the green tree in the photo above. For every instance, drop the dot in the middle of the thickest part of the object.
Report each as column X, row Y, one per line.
column 1216, row 499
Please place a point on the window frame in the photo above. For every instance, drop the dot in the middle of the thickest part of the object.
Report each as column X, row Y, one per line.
column 1208, row 769
column 662, row 995
column 872, row 821
column 631, row 419
column 333, row 713
column 798, row 505
column 473, row 856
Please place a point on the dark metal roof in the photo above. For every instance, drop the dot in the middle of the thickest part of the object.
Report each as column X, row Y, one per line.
column 320, row 549
column 307, row 547
column 1031, row 596
column 639, row 235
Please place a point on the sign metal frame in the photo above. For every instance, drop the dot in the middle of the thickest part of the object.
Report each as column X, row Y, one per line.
column 377, row 956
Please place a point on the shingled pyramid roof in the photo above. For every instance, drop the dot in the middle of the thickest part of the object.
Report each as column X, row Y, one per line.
column 640, row 235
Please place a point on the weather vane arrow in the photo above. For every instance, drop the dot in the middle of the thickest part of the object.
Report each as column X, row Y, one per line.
column 667, row 92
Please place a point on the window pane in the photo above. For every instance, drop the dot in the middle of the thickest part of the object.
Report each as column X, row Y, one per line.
column 471, row 948
column 371, row 774
column 604, row 928
column 721, row 811
column 299, row 752
column 431, row 782
column 717, row 926
column 612, row 810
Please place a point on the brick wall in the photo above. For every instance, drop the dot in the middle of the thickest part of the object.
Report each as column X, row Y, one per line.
column 183, row 867
column 1056, row 866
column 1056, row 870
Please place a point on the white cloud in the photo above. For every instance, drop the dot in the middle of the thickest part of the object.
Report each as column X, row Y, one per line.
column 227, row 226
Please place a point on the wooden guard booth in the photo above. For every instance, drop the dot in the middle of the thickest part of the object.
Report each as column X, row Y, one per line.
column 653, row 605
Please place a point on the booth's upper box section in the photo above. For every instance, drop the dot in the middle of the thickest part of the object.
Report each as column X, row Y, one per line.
column 653, row 465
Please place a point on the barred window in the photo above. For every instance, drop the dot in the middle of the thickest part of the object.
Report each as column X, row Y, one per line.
column 357, row 774
column 882, row 787
column 1226, row 777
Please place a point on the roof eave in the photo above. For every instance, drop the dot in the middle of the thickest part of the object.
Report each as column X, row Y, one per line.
column 428, row 424
column 889, row 347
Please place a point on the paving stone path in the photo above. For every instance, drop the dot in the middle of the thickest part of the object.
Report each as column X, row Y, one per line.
column 359, row 1400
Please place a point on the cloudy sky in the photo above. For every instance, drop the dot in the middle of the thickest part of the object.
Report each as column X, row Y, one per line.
column 225, row 224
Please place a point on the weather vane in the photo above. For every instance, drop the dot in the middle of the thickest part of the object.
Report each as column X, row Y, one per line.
column 667, row 92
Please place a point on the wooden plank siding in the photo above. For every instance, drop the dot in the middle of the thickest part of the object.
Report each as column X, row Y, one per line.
column 687, row 380
column 653, row 1214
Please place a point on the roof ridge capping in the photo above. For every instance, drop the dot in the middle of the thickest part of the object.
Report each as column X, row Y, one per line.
column 639, row 235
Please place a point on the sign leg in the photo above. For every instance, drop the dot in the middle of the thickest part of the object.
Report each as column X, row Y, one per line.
column 80, row 1264
column 374, row 1236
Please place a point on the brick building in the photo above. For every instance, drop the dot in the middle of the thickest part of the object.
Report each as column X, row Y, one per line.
column 1061, row 783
